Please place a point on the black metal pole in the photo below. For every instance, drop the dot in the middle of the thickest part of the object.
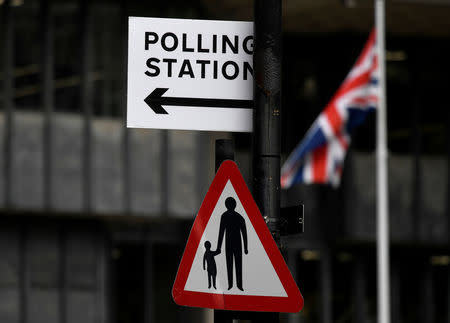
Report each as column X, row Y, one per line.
column 267, row 116
column 149, row 282
column 126, row 149
column 224, row 151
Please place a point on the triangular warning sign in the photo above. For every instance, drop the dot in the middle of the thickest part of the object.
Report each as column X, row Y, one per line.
column 231, row 261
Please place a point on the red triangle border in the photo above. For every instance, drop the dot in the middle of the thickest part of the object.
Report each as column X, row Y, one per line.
column 294, row 300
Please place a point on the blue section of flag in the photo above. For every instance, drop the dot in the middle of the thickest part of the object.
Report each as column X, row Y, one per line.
column 357, row 117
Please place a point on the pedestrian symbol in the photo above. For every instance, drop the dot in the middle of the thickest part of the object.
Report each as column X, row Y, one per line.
column 208, row 258
column 233, row 224
column 231, row 260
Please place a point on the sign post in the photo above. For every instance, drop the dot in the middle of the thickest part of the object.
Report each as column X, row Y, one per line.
column 267, row 114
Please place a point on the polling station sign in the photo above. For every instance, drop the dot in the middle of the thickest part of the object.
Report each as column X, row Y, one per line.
column 190, row 74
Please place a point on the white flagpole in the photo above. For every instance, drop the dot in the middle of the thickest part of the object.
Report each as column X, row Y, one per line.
column 383, row 289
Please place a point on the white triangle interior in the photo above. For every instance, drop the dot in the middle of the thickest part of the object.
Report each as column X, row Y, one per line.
column 258, row 275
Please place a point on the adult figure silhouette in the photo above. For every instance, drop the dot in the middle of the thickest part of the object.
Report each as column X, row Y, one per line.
column 232, row 225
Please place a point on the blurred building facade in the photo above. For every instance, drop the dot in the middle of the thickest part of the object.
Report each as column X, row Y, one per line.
column 94, row 217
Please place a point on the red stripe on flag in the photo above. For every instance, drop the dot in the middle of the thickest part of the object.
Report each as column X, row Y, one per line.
column 370, row 42
column 359, row 80
column 372, row 99
column 334, row 118
column 359, row 100
column 365, row 100
column 319, row 163
column 356, row 82
column 375, row 63
column 343, row 141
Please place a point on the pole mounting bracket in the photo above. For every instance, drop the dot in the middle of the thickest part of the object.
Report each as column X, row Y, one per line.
column 292, row 220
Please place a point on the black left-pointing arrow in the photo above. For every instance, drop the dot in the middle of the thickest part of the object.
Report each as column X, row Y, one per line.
column 156, row 100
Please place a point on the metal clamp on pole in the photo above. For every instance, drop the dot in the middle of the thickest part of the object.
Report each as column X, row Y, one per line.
column 292, row 220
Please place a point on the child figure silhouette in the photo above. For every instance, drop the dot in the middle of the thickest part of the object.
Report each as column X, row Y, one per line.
column 209, row 263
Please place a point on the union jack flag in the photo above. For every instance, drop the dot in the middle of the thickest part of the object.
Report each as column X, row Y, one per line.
column 320, row 155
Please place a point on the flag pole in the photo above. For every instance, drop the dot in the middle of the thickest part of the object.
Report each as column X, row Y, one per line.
column 383, row 295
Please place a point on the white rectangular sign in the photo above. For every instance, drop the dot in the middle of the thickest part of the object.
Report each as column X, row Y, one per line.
column 190, row 74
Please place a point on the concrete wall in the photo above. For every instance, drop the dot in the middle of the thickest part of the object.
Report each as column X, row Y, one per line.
column 187, row 173
column 48, row 272
column 424, row 221
column 184, row 169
